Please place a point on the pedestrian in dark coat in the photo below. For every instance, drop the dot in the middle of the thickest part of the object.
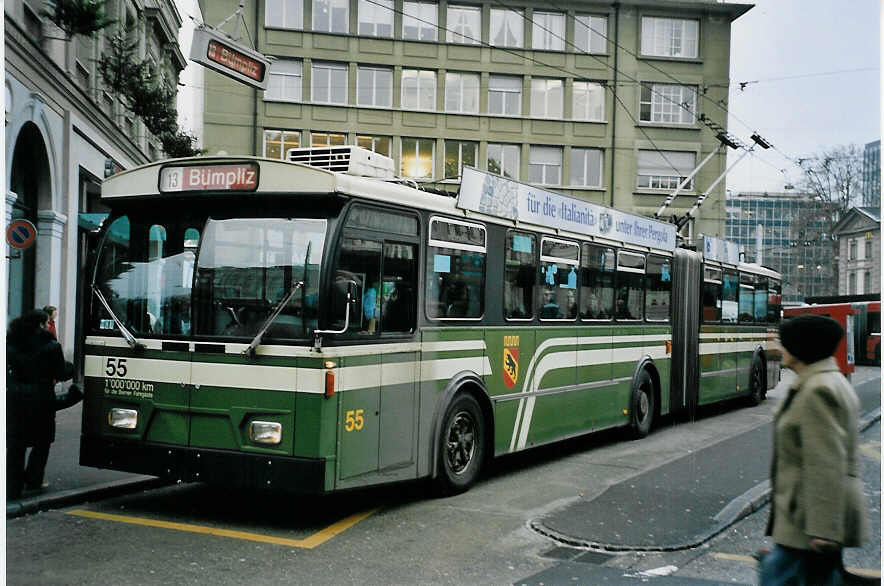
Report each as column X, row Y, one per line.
column 818, row 506
column 34, row 363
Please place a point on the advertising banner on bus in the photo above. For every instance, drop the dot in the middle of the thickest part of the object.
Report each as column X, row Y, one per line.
column 504, row 198
column 720, row 250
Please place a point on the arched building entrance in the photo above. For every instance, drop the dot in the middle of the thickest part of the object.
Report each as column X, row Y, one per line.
column 30, row 181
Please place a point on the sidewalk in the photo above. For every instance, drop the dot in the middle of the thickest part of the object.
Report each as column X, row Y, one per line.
column 70, row 483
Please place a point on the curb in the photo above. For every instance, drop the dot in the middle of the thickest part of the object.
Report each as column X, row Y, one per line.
column 75, row 496
column 740, row 507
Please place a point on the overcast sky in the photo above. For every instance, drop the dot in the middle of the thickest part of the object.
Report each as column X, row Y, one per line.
column 813, row 108
column 817, row 64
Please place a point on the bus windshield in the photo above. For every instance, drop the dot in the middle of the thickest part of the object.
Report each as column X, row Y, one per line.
column 210, row 277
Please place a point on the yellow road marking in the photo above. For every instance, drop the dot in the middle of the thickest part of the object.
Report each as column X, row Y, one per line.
column 871, row 449
column 314, row 540
column 867, row 572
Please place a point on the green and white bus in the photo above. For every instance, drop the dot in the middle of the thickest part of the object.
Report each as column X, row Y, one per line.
column 320, row 325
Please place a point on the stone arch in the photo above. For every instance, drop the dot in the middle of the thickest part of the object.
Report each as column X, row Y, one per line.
column 32, row 117
column 30, row 180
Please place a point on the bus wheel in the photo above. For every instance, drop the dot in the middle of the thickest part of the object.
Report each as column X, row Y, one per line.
column 461, row 445
column 757, row 386
column 642, row 405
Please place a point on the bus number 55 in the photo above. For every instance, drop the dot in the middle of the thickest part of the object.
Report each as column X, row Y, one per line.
column 354, row 420
column 116, row 367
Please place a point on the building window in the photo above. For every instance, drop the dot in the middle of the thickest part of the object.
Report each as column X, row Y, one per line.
column 664, row 169
column 284, row 14
column 457, row 154
column 590, row 33
column 278, row 142
column 329, row 83
column 548, row 31
column 464, row 25
column 868, row 249
column 589, row 101
column 851, row 284
column 462, row 93
column 418, row 89
column 374, row 87
column 327, row 139
column 503, row 159
column 668, row 103
column 546, row 98
column 378, row 144
column 670, row 37
column 867, row 282
column 851, row 255
column 546, row 165
column 419, row 21
column 505, row 95
column 507, row 28
column 331, row 16
column 376, row 18
column 586, row 167
column 284, row 81
column 417, row 158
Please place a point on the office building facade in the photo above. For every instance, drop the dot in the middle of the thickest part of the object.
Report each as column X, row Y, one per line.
column 790, row 233
column 600, row 101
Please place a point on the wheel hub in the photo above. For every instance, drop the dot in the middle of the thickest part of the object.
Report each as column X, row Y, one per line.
column 460, row 445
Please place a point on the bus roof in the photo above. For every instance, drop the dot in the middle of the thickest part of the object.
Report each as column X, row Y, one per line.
column 246, row 175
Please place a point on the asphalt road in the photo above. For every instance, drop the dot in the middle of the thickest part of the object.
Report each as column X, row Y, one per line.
column 193, row 534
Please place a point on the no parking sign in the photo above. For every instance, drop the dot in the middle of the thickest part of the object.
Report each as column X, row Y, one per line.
column 21, row 234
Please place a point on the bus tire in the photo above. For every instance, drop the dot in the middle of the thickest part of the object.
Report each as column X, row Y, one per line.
column 461, row 446
column 641, row 405
column 757, row 383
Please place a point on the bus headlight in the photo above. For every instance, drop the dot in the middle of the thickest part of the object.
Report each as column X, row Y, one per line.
column 265, row 432
column 122, row 418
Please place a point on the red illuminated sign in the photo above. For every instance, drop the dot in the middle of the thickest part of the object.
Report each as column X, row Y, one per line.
column 233, row 59
column 229, row 177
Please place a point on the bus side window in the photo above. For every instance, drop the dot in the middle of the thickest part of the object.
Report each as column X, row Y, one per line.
column 711, row 295
column 455, row 287
column 747, row 297
column 399, row 299
column 658, row 287
column 760, row 308
column 360, row 262
column 730, row 286
column 519, row 271
column 630, row 285
column 597, row 282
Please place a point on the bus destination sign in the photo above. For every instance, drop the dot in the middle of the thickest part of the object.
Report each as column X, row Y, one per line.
column 504, row 198
column 219, row 52
column 228, row 177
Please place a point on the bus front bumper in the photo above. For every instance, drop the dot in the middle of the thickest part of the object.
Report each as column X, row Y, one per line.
column 186, row 464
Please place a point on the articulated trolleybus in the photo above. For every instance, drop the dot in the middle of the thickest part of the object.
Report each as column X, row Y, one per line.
column 315, row 325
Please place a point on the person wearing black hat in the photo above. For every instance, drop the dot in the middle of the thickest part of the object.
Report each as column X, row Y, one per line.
column 817, row 501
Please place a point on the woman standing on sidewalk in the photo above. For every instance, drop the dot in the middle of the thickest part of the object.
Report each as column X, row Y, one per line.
column 817, row 506
column 34, row 362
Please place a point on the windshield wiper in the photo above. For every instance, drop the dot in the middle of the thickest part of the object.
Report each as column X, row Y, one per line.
column 250, row 351
column 130, row 339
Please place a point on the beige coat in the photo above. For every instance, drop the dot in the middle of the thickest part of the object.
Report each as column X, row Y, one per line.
column 815, row 487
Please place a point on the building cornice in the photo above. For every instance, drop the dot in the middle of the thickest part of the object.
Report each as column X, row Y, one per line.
column 20, row 46
column 731, row 10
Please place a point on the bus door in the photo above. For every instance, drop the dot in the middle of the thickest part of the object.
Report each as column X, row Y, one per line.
column 378, row 409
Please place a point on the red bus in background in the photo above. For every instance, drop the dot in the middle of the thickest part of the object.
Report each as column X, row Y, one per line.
column 843, row 313
column 866, row 324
